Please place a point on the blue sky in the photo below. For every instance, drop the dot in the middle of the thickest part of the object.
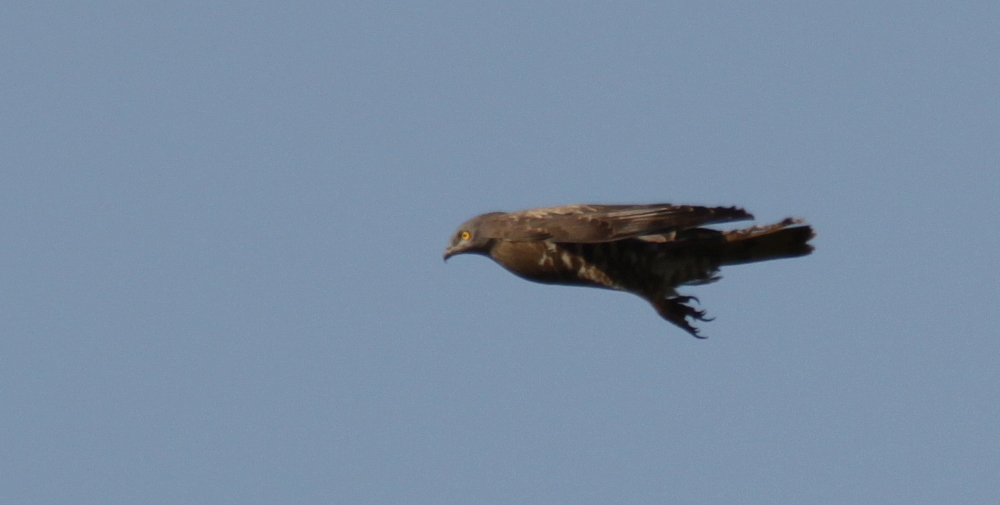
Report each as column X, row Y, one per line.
column 222, row 226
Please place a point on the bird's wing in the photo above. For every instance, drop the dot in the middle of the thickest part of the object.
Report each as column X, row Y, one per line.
column 604, row 223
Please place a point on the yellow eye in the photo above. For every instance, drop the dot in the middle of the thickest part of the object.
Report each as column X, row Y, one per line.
column 465, row 235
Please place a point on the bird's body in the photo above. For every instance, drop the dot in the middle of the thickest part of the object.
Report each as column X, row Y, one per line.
column 648, row 250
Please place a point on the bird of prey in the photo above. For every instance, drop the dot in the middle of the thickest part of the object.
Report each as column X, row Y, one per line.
column 647, row 250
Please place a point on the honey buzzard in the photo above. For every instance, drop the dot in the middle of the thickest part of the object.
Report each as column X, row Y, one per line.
column 648, row 250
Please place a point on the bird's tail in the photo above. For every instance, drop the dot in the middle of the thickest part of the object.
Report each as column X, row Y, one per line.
column 786, row 239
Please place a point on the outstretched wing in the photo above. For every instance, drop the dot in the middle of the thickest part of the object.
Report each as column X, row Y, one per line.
column 604, row 223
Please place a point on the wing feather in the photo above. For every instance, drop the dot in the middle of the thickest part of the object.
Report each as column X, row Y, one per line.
column 604, row 223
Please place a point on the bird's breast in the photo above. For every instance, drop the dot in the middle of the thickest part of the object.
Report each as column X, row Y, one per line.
column 550, row 263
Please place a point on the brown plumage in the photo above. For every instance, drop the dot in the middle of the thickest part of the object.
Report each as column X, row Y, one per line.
column 648, row 250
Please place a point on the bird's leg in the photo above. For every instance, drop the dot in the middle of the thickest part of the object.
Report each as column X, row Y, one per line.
column 676, row 311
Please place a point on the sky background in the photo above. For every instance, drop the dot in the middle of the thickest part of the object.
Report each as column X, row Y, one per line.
column 221, row 227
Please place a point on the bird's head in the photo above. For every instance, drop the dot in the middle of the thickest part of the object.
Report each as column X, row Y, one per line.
column 471, row 237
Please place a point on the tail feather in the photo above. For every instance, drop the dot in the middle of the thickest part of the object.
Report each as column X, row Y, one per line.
column 762, row 243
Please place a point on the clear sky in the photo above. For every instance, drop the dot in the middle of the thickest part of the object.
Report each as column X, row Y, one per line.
column 221, row 227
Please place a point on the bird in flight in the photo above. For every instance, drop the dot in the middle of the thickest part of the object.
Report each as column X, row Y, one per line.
column 647, row 250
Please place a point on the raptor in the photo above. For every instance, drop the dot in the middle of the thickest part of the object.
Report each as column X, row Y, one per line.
column 649, row 250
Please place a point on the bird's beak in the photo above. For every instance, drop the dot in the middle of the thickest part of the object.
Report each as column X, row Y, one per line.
column 448, row 252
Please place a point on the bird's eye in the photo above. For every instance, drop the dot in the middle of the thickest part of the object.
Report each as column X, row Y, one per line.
column 465, row 235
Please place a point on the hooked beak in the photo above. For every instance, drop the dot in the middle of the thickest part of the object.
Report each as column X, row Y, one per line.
column 449, row 252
